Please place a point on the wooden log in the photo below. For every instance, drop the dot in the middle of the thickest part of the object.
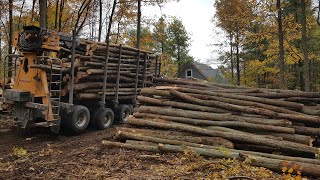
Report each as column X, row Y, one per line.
column 307, row 130
column 48, row 68
column 268, row 113
column 180, row 81
column 274, row 164
column 302, row 139
column 101, row 71
column 155, row 132
column 286, row 94
column 224, row 129
column 238, row 124
column 302, row 99
column 274, row 102
column 245, row 103
column 153, row 91
column 162, row 102
column 256, row 148
column 205, row 115
column 283, row 145
column 211, row 141
column 128, row 135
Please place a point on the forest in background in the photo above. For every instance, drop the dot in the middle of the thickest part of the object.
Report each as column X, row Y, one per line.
column 165, row 35
column 272, row 43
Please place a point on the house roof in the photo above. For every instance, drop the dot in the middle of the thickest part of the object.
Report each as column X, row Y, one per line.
column 205, row 70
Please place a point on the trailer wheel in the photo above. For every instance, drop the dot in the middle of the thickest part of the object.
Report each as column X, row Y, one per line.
column 123, row 113
column 78, row 120
column 131, row 108
column 103, row 118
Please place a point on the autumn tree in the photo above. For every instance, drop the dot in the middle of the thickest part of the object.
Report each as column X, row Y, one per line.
column 281, row 48
column 234, row 17
column 306, row 69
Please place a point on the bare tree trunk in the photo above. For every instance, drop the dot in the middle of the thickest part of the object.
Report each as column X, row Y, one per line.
column 139, row 26
column 82, row 23
column 60, row 14
column 21, row 9
column 231, row 58
column 281, row 48
column 306, row 68
column 100, row 20
column 10, row 36
column 32, row 11
column 238, row 59
column 43, row 13
column 56, row 15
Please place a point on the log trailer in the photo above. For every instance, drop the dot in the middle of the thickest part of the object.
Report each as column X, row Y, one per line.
column 61, row 84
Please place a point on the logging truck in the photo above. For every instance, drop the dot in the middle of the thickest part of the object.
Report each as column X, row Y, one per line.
column 64, row 81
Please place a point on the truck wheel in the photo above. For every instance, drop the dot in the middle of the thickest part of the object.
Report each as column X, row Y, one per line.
column 78, row 120
column 123, row 113
column 103, row 118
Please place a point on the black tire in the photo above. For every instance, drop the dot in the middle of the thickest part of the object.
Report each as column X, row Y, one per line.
column 103, row 118
column 131, row 108
column 77, row 120
column 122, row 114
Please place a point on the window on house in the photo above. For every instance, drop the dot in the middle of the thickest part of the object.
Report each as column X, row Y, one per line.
column 188, row 73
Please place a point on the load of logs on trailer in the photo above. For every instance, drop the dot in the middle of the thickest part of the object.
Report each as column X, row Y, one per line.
column 89, row 70
column 268, row 128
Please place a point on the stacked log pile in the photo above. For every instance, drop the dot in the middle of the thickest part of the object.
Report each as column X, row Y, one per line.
column 219, row 120
column 123, row 68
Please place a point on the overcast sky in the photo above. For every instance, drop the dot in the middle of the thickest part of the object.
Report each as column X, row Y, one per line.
column 196, row 16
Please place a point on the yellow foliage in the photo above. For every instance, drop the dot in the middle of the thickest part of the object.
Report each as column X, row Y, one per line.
column 19, row 152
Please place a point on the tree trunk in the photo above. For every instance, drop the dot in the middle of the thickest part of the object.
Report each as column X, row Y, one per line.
column 139, row 26
column 60, row 14
column 238, row 58
column 281, row 48
column 56, row 15
column 43, row 13
column 306, row 67
column 32, row 10
column 231, row 58
column 284, row 145
column 10, row 61
column 100, row 20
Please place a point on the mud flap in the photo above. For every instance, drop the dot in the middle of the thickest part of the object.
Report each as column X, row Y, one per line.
column 22, row 114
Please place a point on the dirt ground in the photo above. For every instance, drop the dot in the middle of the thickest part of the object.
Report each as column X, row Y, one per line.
column 37, row 154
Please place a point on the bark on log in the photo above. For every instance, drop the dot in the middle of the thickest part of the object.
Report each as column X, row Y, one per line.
column 307, row 130
column 284, row 145
column 48, row 68
column 286, row 95
column 302, row 139
column 238, row 124
column 273, row 164
column 204, row 115
column 268, row 113
column 128, row 135
column 274, row 102
column 163, row 102
column 245, row 103
column 224, row 129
